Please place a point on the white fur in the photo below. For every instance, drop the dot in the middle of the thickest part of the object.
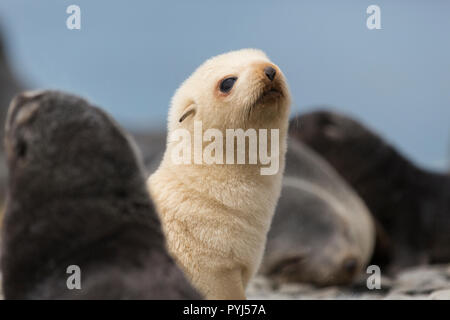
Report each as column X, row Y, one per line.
column 216, row 217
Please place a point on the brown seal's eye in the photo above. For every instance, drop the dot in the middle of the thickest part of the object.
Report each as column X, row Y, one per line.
column 227, row 84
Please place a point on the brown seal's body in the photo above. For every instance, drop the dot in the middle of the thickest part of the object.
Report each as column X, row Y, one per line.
column 322, row 233
column 77, row 196
column 411, row 205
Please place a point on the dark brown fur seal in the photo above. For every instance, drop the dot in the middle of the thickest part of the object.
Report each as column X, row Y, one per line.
column 321, row 233
column 411, row 205
column 77, row 196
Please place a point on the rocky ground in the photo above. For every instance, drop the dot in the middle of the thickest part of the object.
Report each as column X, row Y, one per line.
column 429, row 282
column 424, row 283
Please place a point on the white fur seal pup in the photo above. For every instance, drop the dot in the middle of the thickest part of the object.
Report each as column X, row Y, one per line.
column 216, row 216
column 77, row 196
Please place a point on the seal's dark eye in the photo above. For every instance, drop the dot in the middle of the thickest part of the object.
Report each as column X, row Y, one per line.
column 227, row 84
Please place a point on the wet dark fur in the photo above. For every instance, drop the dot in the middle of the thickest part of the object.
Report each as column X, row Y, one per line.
column 411, row 205
column 77, row 195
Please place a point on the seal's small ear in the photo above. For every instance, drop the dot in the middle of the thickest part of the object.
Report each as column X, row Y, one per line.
column 187, row 112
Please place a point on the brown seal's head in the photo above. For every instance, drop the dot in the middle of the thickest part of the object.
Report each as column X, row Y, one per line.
column 238, row 89
column 349, row 146
column 59, row 145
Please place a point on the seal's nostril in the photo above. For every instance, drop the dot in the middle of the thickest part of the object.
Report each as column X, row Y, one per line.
column 270, row 73
column 350, row 265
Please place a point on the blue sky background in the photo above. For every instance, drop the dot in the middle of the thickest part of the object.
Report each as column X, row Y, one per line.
column 130, row 56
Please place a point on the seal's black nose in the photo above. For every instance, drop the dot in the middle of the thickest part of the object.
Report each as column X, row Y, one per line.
column 270, row 73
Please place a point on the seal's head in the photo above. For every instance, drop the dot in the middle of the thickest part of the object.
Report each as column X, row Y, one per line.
column 59, row 145
column 345, row 143
column 238, row 89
